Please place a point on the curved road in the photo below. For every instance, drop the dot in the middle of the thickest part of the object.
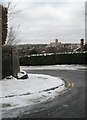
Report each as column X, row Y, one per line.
column 70, row 104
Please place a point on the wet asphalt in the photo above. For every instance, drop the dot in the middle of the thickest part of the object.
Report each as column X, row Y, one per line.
column 70, row 104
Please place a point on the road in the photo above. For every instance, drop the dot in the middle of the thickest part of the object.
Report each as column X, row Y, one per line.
column 70, row 104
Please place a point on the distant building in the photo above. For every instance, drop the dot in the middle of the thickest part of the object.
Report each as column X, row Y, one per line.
column 82, row 47
column 55, row 44
column 82, row 44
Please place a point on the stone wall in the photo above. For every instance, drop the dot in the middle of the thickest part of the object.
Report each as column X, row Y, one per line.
column 10, row 61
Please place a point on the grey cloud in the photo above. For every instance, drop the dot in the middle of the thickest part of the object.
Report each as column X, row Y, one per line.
column 45, row 22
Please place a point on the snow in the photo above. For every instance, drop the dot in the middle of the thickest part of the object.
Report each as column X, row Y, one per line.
column 15, row 93
column 22, row 92
column 21, row 73
column 55, row 67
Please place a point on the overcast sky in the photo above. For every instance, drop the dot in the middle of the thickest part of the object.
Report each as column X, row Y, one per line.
column 43, row 22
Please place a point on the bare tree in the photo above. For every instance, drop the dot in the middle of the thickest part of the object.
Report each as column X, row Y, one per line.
column 12, row 36
column 12, row 30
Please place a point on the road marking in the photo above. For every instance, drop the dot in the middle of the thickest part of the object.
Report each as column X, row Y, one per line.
column 69, row 84
column 72, row 84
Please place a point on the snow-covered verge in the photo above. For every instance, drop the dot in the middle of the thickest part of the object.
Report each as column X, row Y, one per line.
column 55, row 67
column 21, row 92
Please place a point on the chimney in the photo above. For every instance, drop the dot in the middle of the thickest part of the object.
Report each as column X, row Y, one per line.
column 56, row 41
column 82, row 44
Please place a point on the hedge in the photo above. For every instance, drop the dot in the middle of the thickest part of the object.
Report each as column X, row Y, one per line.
column 74, row 58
